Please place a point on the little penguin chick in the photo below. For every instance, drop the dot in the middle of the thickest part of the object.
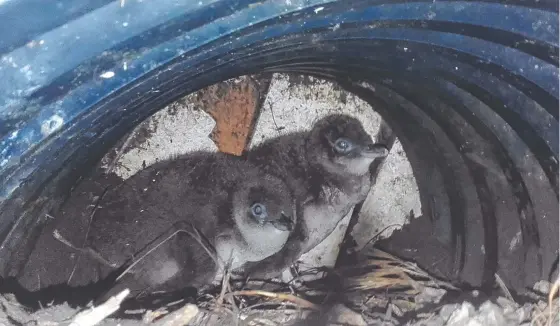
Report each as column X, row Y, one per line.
column 328, row 170
column 176, row 223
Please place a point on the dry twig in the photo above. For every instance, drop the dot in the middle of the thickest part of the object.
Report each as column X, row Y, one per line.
column 197, row 236
column 554, row 291
column 280, row 296
column 503, row 286
column 548, row 316
column 91, row 215
column 152, row 315
column 225, row 282
column 95, row 255
column 95, row 315
column 120, row 151
column 378, row 234
column 180, row 317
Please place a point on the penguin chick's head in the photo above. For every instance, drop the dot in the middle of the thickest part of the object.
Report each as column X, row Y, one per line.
column 265, row 203
column 340, row 144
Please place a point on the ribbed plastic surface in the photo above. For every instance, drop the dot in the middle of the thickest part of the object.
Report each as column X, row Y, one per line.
column 470, row 87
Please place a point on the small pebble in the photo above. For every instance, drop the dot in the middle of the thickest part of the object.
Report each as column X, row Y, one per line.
column 429, row 295
column 491, row 314
column 474, row 322
column 507, row 305
column 447, row 310
column 542, row 287
column 524, row 313
column 340, row 314
column 460, row 316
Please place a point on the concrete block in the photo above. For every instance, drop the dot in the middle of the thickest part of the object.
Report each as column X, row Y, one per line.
column 179, row 128
column 392, row 201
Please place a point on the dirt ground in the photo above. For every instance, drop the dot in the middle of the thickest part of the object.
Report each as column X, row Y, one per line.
column 379, row 289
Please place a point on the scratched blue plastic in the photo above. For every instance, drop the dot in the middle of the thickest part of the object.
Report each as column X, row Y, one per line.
column 140, row 17
column 86, row 38
column 52, row 13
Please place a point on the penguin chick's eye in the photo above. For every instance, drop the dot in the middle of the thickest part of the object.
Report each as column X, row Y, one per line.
column 259, row 211
column 343, row 145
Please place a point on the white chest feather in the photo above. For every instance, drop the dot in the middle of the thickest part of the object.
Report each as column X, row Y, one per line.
column 254, row 244
column 323, row 216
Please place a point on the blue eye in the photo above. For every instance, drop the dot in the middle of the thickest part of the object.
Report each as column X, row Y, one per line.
column 259, row 211
column 343, row 145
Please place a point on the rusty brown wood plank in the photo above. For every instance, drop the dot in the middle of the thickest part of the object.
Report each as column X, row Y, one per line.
column 234, row 105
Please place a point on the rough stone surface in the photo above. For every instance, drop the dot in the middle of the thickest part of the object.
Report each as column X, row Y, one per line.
column 429, row 295
column 393, row 200
column 542, row 287
column 461, row 315
column 342, row 315
column 503, row 312
column 447, row 310
column 179, row 128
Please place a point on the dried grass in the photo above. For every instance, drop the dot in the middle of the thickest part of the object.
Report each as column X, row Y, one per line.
column 379, row 272
column 195, row 234
column 382, row 271
column 551, row 314
column 277, row 302
column 379, row 280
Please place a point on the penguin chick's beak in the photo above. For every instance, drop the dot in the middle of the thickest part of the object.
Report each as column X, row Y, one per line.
column 375, row 150
column 284, row 223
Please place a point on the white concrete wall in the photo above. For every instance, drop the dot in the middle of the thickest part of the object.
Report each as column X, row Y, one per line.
column 291, row 105
column 177, row 129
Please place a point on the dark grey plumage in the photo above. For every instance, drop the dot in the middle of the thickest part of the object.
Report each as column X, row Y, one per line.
column 328, row 171
column 192, row 205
